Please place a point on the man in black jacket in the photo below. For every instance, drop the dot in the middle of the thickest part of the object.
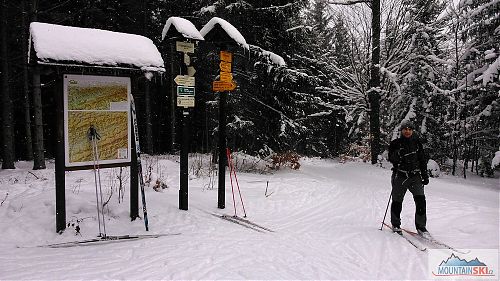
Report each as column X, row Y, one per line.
column 407, row 156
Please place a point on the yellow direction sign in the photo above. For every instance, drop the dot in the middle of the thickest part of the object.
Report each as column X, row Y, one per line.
column 221, row 86
column 226, row 56
column 226, row 76
column 225, row 66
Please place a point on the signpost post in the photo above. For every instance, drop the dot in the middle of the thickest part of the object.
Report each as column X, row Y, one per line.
column 185, row 99
column 223, row 85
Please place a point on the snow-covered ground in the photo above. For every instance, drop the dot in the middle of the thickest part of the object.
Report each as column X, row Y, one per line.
column 325, row 216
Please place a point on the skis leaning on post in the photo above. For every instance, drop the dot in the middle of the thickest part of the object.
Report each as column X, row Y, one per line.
column 139, row 165
column 93, row 137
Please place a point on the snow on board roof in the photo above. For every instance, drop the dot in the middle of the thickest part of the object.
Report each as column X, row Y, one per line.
column 57, row 43
column 183, row 26
column 228, row 28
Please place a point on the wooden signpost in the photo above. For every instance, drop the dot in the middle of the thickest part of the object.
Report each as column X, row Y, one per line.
column 223, row 85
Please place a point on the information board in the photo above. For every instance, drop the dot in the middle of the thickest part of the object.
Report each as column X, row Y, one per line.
column 102, row 102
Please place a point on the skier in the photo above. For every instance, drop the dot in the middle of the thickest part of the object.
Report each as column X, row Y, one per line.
column 407, row 156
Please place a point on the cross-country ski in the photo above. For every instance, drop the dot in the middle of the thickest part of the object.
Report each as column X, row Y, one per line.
column 406, row 237
column 139, row 163
column 106, row 240
column 244, row 222
column 429, row 238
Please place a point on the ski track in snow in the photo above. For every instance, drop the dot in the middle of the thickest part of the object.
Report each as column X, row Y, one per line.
column 326, row 217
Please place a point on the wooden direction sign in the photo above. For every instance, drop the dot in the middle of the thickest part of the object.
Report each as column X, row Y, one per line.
column 221, row 86
column 191, row 71
column 225, row 66
column 226, row 76
column 185, row 47
column 184, row 80
column 185, row 101
column 187, row 59
column 185, row 91
column 226, row 56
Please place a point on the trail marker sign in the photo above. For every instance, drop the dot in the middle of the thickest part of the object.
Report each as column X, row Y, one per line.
column 185, row 47
column 226, row 56
column 185, row 91
column 221, row 86
column 184, row 80
column 225, row 66
column 226, row 76
column 185, row 101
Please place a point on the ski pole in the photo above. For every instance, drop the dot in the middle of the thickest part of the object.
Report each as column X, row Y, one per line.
column 237, row 184
column 228, row 156
column 100, row 188
column 385, row 214
column 91, row 134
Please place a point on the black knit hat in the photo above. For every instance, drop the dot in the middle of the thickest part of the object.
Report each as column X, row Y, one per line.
column 407, row 124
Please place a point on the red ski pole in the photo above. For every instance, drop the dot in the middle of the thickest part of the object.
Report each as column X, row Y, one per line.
column 237, row 184
column 228, row 155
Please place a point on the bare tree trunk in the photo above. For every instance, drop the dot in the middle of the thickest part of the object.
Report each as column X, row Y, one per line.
column 38, row 147
column 454, row 134
column 38, row 153
column 28, row 149
column 374, row 84
column 8, row 152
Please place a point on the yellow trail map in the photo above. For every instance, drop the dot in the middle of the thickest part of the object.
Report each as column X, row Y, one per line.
column 111, row 126
column 95, row 97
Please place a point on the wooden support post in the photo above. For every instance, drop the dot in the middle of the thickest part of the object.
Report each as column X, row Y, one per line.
column 59, row 160
column 134, row 182
column 221, row 202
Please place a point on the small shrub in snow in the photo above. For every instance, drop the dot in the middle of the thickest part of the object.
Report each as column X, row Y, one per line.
column 249, row 164
column 159, row 185
column 356, row 152
column 286, row 159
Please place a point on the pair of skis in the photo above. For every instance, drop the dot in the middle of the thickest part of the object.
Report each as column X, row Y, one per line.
column 244, row 222
column 427, row 238
column 235, row 218
column 430, row 239
column 105, row 240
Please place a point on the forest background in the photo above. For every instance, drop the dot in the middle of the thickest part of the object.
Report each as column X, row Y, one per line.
column 438, row 65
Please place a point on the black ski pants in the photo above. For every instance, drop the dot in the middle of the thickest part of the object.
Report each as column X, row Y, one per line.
column 400, row 184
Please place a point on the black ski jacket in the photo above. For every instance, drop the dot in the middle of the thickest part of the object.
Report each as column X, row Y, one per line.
column 407, row 155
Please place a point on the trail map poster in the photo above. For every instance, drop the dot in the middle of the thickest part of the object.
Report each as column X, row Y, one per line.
column 100, row 102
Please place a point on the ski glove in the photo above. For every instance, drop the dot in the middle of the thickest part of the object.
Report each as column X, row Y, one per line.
column 425, row 180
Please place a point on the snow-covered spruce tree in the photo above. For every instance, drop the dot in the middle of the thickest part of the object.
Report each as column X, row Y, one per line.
column 474, row 85
column 419, row 75
column 411, row 72
column 481, row 120
column 341, row 56
column 280, row 103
